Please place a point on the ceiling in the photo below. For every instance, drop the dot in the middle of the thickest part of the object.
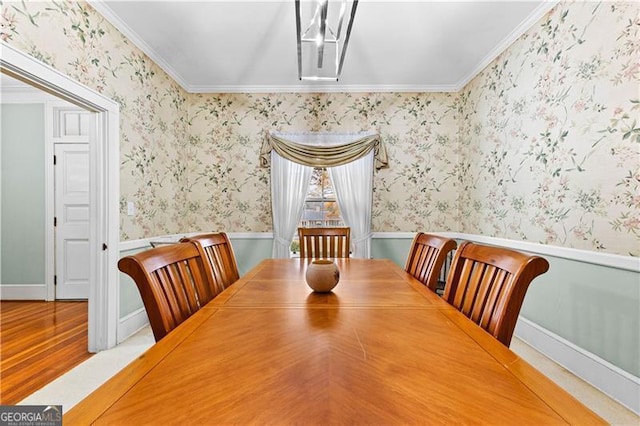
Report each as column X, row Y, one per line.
column 250, row 46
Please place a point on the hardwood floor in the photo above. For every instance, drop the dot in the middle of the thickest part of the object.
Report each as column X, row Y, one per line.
column 39, row 341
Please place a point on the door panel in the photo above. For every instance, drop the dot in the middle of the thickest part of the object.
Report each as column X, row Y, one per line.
column 76, row 272
column 71, row 124
column 72, row 216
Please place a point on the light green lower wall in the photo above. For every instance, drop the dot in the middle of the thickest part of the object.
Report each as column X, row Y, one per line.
column 250, row 251
column 594, row 307
column 396, row 249
column 23, row 194
column 130, row 300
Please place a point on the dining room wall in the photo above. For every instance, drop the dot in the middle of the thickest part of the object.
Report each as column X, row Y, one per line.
column 231, row 192
column 549, row 133
column 549, row 143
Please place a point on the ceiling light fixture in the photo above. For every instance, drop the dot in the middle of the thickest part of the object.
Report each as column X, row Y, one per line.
column 323, row 35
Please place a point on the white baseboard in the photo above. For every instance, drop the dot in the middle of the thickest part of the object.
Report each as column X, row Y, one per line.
column 23, row 292
column 130, row 324
column 609, row 379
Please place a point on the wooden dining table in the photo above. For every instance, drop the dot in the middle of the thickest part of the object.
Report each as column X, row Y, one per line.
column 379, row 349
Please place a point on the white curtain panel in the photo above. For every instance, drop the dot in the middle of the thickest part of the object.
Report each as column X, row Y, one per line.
column 353, row 183
column 289, row 184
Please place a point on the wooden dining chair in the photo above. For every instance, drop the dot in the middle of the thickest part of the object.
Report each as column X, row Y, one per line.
column 324, row 242
column 427, row 256
column 173, row 283
column 488, row 285
column 218, row 252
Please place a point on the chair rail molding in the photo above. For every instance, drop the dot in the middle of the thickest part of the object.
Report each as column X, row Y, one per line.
column 146, row 242
column 628, row 263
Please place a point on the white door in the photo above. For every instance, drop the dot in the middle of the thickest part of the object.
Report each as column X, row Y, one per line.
column 72, row 220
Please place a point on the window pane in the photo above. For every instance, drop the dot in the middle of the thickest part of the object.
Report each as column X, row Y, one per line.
column 320, row 185
column 313, row 214
column 315, row 188
column 321, row 213
column 331, row 211
column 327, row 186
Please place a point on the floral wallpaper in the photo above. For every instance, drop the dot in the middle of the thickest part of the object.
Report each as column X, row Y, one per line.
column 542, row 145
column 550, row 136
column 232, row 191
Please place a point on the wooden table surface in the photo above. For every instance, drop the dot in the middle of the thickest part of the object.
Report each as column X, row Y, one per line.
column 379, row 349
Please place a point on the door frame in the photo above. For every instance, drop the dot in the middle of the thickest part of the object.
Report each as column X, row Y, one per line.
column 105, row 181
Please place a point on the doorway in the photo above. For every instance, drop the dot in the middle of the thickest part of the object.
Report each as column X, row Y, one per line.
column 45, row 207
column 104, row 177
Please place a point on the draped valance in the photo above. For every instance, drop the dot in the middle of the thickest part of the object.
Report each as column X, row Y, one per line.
column 324, row 156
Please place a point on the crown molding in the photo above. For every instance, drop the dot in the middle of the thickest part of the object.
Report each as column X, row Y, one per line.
column 514, row 35
column 103, row 9
column 324, row 89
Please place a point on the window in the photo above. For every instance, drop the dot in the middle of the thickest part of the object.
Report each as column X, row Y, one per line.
column 320, row 207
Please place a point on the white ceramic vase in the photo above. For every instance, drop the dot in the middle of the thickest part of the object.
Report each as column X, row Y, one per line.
column 322, row 275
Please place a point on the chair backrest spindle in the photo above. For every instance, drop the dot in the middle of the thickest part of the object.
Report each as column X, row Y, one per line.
column 427, row 256
column 220, row 260
column 324, row 242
